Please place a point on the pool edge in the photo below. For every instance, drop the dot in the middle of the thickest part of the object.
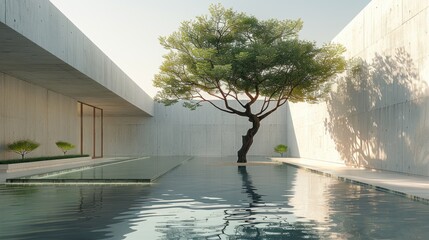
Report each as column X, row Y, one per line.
column 358, row 182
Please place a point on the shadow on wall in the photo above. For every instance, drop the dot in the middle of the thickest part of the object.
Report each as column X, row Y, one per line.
column 293, row 149
column 378, row 115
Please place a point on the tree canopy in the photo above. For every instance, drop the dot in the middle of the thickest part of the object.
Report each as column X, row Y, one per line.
column 228, row 55
column 64, row 146
column 22, row 147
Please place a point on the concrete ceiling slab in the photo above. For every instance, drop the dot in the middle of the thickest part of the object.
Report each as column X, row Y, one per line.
column 107, row 87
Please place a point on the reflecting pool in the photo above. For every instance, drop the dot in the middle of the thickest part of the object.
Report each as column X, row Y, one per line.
column 135, row 170
column 209, row 198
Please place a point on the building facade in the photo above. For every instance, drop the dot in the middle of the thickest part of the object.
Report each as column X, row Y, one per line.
column 55, row 84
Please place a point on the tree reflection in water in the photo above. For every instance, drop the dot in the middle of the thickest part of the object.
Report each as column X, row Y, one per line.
column 242, row 213
column 256, row 222
column 248, row 187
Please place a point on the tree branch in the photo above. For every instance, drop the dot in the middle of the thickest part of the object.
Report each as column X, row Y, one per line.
column 266, row 103
column 279, row 102
column 214, row 105
column 236, row 98
column 225, row 100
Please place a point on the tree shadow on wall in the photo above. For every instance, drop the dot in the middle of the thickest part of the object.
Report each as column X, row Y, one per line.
column 377, row 115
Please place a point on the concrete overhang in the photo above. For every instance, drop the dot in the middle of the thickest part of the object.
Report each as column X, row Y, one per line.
column 38, row 44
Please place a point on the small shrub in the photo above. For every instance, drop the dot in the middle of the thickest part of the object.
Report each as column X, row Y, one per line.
column 280, row 149
column 64, row 146
column 23, row 147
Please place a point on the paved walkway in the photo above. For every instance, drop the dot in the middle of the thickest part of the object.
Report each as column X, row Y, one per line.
column 411, row 186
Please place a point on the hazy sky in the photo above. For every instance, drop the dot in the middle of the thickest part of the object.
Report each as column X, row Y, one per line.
column 128, row 30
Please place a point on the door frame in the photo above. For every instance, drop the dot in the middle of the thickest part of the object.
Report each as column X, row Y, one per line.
column 94, row 143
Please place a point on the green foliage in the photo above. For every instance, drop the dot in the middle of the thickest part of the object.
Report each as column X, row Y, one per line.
column 280, row 149
column 37, row 159
column 23, row 147
column 64, row 146
column 230, row 55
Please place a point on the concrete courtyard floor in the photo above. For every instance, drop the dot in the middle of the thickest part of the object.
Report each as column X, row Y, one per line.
column 411, row 186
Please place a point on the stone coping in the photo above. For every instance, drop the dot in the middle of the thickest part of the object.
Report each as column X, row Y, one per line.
column 15, row 167
column 410, row 186
column 249, row 163
column 40, row 178
column 29, row 181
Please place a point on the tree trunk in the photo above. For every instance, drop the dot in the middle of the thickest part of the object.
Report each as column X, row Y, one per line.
column 248, row 139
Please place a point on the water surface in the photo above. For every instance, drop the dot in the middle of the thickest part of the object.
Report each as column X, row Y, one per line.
column 206, row 198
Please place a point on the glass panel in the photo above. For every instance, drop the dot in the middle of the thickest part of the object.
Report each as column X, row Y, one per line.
column 88, row 129
column 79, row 130
column 98, row 133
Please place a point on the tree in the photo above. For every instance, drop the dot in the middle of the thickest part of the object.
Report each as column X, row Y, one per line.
column 232, row 56
column 22, row 147
column 64, row 146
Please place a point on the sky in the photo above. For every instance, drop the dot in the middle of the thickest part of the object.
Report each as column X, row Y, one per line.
column 127, row 31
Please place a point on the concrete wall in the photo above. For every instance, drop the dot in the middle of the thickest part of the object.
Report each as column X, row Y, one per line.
column 47, row 64
column 45, row 58
column 31, row 112
column 377, row 113
column 176, row 130
column 42, row 23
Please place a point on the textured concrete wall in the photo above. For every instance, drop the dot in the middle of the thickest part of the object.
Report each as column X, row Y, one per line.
column 176, row 130
column 42, row 23
column 377, row 113
column 3, row 13
column 31, row 112
column 307, row 134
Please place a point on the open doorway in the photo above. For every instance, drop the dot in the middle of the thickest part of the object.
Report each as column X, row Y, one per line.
column 91, row 130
